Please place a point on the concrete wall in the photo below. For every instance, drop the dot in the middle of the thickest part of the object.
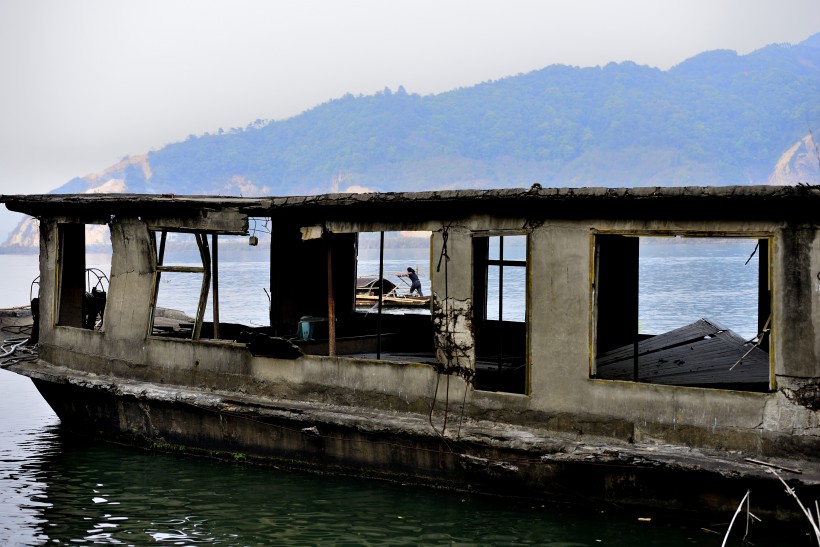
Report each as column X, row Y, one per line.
column 797, row 265
column 560, row 393
column 451, row 278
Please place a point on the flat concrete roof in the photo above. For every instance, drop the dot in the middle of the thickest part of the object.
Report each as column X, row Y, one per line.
column 791, row 203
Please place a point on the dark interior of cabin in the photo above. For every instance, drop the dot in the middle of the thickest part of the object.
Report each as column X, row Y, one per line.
column 82, row 293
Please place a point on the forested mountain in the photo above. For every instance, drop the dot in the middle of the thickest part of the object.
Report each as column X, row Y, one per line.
column 717, row 118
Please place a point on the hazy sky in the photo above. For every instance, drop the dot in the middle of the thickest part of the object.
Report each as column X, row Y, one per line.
column 85, row 83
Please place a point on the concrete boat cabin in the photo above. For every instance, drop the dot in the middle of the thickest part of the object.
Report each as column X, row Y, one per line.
column 527, row 373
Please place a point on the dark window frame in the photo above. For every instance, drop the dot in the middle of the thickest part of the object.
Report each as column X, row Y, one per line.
column 201, row 238
column 493, row 338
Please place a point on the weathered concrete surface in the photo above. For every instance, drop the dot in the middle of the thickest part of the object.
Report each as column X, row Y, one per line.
column 451, row 276
column 133, row 265
column 797, row 306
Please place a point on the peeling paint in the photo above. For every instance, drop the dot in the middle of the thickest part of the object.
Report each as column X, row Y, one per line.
column 452, row 322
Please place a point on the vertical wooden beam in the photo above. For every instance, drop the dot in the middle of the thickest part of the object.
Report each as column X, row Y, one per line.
column 157, row 277
column 215, row 281
column 331, row 304
column 205, row 256
column 161, row 256
column 501, row 329
column 273, row 283
column 381, row 295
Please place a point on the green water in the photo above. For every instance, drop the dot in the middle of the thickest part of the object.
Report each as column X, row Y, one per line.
column 57, row 490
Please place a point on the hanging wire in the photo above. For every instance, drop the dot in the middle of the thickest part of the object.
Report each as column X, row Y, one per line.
column 36, row 281
column 753, row 253
column 449, row 368
column 445, row 234
column 265, row 228
column 448, row 338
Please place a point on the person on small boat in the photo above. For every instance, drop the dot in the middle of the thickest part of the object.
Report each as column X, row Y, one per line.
column 415, row 284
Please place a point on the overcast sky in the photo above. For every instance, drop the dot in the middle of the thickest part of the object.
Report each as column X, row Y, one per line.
column 85, row 83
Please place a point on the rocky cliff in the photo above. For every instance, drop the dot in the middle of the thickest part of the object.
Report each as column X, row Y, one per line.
column 800, row 164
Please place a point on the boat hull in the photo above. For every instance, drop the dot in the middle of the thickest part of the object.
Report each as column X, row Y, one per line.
column 352, row 445
column 394, row 301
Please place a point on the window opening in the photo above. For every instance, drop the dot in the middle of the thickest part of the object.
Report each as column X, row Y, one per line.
column 177, row 308
column 500, row 311
column 197, row 271
column 683, row 311
column 84, row 257
column 391, row 306
column 243, row 272
column 393, row 267
column 321, row 303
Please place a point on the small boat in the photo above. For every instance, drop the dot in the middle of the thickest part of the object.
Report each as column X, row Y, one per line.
column 368, row 289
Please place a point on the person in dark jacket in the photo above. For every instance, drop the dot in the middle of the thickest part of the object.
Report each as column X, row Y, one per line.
column 415, row 284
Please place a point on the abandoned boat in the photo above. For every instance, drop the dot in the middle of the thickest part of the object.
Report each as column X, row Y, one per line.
column 562, row 397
